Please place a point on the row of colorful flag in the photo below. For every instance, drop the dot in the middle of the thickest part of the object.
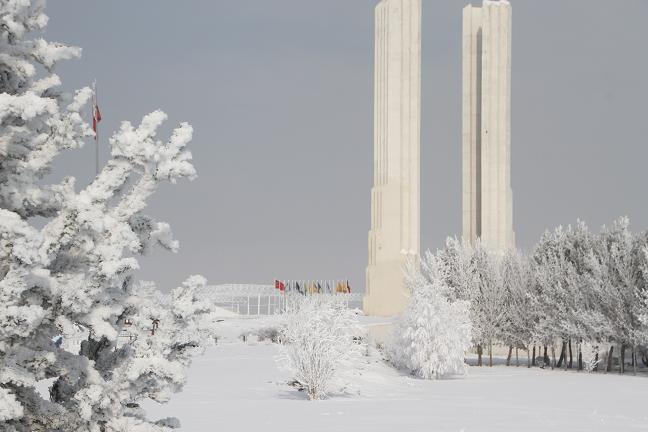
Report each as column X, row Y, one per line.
column 306, row 287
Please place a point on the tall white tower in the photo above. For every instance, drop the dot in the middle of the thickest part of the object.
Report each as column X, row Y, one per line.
column 486, row 150
column 395, row 197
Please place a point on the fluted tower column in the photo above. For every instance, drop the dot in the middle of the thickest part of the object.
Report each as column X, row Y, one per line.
column 395, row 196
column 487, row 193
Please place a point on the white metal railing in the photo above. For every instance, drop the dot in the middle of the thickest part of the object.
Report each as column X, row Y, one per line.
column 251, row 300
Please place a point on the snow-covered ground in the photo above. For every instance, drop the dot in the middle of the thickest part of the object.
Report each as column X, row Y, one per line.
column 241, row 386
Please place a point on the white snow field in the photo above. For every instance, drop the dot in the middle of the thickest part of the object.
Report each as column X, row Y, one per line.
column 240, row 386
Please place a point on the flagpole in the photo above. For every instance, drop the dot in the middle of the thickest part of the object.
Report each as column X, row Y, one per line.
column 94, row 113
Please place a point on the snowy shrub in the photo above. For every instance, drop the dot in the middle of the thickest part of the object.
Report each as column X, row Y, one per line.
column 434, row 332
column 319, row 336
column 76, row 274
column 268, row 334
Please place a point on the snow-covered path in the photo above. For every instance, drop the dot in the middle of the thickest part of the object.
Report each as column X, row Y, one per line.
column 237, row 387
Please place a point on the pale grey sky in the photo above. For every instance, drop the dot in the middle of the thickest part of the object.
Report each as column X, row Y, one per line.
column 280, row 95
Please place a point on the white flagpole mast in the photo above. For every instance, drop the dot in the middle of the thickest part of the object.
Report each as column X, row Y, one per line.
column 96, row 123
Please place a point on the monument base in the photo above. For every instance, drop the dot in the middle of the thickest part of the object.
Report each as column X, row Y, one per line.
column 386, row 292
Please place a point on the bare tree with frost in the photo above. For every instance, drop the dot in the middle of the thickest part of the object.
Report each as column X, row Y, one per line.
column 488, row 301
column 620, row 255
column 457, row 267
column 642, row 262
column 319, row 336
column 517, row 277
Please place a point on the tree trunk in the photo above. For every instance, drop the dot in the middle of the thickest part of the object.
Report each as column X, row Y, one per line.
column 580, row 357
column 622, row 359
column 528, row 357
column 490, row 354
column 609, row 359
column 634, row 360
column 508, row 358
column 545, row 357
column 571, row 362
column 565, row 359
column 533, row 357
column 517, row 360
column 565, row 363
column 553, row 356
column 479, row 355
column 562, row 355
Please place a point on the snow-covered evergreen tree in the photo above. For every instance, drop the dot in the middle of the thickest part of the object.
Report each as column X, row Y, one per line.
column 168, row 331
column 434, row 333
column 319, row 335
column 78, row 270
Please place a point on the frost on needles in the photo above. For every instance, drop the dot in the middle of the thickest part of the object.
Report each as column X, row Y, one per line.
column 77, row 273
column 432, row 335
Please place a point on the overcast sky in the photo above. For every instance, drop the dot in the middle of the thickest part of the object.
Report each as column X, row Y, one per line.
column 280, row 94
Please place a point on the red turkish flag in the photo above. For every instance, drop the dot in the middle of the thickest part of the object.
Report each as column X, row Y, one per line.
column 96, row 118
column 280, row 285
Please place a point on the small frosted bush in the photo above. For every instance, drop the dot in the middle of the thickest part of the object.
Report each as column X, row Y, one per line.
column 318, row 336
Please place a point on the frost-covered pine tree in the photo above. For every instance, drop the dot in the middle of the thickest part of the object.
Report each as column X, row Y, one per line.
column 319, row 335
column 169, row 331
column 77, row 272
column 434, row 332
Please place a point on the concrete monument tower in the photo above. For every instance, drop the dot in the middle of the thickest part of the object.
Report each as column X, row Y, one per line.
column 395, row 197
column 487, row 194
